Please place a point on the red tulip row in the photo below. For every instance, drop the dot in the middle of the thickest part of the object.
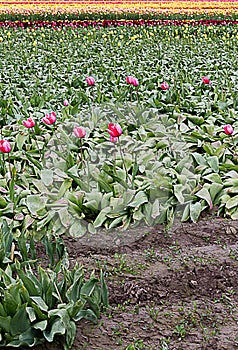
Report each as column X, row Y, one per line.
column 116, row 23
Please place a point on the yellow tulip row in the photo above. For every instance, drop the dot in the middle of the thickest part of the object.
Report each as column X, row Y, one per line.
column 13, row 6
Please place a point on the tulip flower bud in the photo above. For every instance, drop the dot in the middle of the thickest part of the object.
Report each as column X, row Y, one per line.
column 135, row 82
column 205, row 80
column 129, row 79
column 228, row 129
column 49, row 118
column 90, row 81
column 114, row 130
column 164, row 86
column 5, row 146
column 29, row 123
column 79, row 132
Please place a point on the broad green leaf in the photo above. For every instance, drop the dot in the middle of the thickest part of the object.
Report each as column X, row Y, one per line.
column 101, row 218
column 234, row 215
column 204, row 194
column 215, row 189
column 19, row 322
column 178, row 189
column 88, row 288
column 47, row 177
column 232, row 202
column 195, row 211
column 35, row 203
column 31, row 314
column 140, row 198
column 104, row 290
column 64, row 187
column 30, row 338
column 40, row 303
column 5, row 324
column 64, row 217
column 40, row 325
column 58, row 327
column 214, row 177
column 77, row 229
column 214, row 163
column 21, row 140
column 9, row 303
column 87, row 314
column 186, row 213
column 70, row 334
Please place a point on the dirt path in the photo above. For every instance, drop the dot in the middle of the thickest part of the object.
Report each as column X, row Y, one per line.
column 169, row 290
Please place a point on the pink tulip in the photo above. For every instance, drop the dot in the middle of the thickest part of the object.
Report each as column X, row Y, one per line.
column 66, row 103
column 135, row 82
column 5, row 146
column 130, row 79
column 79, row 132
column 29, row 123
column 90, row 81
column 49, row 118
column 114, row 130
column 205, row 80
column 228, row 129
column 164, row 86
column 113, row 139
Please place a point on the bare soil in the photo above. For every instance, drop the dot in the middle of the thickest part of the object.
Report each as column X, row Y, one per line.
column 169, row 289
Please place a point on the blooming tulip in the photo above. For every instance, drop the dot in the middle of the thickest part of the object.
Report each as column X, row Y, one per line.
column 5, row 146
column 113, row 139
column 135, row 82
column 49, row 118
column 114, row 130
column 205, row 80
column 228, row 129
column 29, row 123
column 129, row 79
column 132, row 80
column 66, row 103
column 164, row 86
column 79, row 132
column 90, row 81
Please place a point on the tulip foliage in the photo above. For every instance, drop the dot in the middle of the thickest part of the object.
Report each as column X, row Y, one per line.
column 118, row 126
column 38, row 304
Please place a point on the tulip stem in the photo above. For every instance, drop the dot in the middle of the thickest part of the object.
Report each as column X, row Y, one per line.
column 114, row 158
column 88, row 174
column 9, row 164
column 81, row 150
column 122, row 158
column 37, row 145
column 3, row 165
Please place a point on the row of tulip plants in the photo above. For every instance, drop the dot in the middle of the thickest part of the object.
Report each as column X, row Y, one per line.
column 115, row 23
column 126, row 8
column 122, row 18
column 112, row 127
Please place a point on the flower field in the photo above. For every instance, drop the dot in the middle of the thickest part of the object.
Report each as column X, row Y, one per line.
column 114, row 115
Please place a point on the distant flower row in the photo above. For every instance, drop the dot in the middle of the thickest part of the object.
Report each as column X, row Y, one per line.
column 115, row 23
column 117, row 7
